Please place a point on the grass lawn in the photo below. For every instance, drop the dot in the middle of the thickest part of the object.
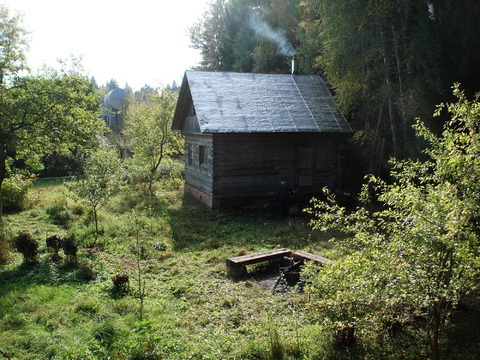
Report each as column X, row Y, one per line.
column 191, row 308
column 181, row 303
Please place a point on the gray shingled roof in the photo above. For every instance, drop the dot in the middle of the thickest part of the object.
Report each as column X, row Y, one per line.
column 228, row 102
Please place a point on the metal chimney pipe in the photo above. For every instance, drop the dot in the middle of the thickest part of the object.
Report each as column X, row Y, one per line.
column 295, row 65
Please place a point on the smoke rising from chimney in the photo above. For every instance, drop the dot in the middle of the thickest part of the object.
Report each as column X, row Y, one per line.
column 277, row 36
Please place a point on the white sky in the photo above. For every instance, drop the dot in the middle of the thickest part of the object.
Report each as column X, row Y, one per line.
column 132, row 41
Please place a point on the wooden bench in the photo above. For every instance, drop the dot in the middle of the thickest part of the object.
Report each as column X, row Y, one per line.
column 311, row 257
column 241, row 261
column 237, row 265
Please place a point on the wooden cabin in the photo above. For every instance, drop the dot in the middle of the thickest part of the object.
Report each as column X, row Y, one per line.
column 246, row 133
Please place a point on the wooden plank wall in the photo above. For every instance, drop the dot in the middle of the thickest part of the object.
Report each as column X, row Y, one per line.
column 200, row 176
column 255, row 164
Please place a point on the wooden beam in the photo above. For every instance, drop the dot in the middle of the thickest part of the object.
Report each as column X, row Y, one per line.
column 307, row 256
column 258, row 257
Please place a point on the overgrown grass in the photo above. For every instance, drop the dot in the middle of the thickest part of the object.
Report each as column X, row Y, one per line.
column 192, row 309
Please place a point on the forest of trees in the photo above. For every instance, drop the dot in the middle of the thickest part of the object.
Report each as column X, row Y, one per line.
column 387, row 62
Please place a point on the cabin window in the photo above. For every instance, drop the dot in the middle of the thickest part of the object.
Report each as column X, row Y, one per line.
column 202, row 155
column 189, row 154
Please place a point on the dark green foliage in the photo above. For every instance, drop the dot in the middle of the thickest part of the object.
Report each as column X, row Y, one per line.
column 56, row 165
column 246, row 36
column 70, row 249
column 27, row 246
column 390, row 62
column 416, row 255
column 121, row 283
column 61, row 212
column 54, row 243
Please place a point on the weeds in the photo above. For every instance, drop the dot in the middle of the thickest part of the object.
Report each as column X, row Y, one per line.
column 174, row 254
column 59, row 211
column 14, row 193
column 4, row 246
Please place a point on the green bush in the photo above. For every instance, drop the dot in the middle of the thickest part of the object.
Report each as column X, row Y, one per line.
column 70, row 249
column 54, row 243
column 136, row 174
column 27, row 246
column 15, row 193
column 62, row 212
column 86, row 270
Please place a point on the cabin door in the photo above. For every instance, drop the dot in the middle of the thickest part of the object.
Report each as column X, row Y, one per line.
column 305, row 166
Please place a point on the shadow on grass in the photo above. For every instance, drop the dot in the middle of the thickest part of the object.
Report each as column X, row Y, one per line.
column 44, row 272
column 195, row 227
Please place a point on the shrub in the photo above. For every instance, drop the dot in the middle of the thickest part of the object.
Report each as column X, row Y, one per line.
column 121, row 283
column 54, row 243
column 59, row 211
column 86, row 271
column 83, row 235
column 87, row 306
column 27, row 246
column 136, row 174
column 70, row 249
column 15, row 193
column 78, row 209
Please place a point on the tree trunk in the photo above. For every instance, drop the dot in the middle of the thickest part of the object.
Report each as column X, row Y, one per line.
column 374, row 154
column 153, row 169
column 400, row 84
column 150, row 182
column 436, row 319
column 3, row 176
column 393, row 127
column 389, row 97
column 95, row 218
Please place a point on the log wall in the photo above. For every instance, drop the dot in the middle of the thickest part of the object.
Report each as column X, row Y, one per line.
column 199, row 175
column 241, row 166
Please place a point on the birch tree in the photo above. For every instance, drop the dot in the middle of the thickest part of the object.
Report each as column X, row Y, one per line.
column 148, row 128
column 101, row 178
